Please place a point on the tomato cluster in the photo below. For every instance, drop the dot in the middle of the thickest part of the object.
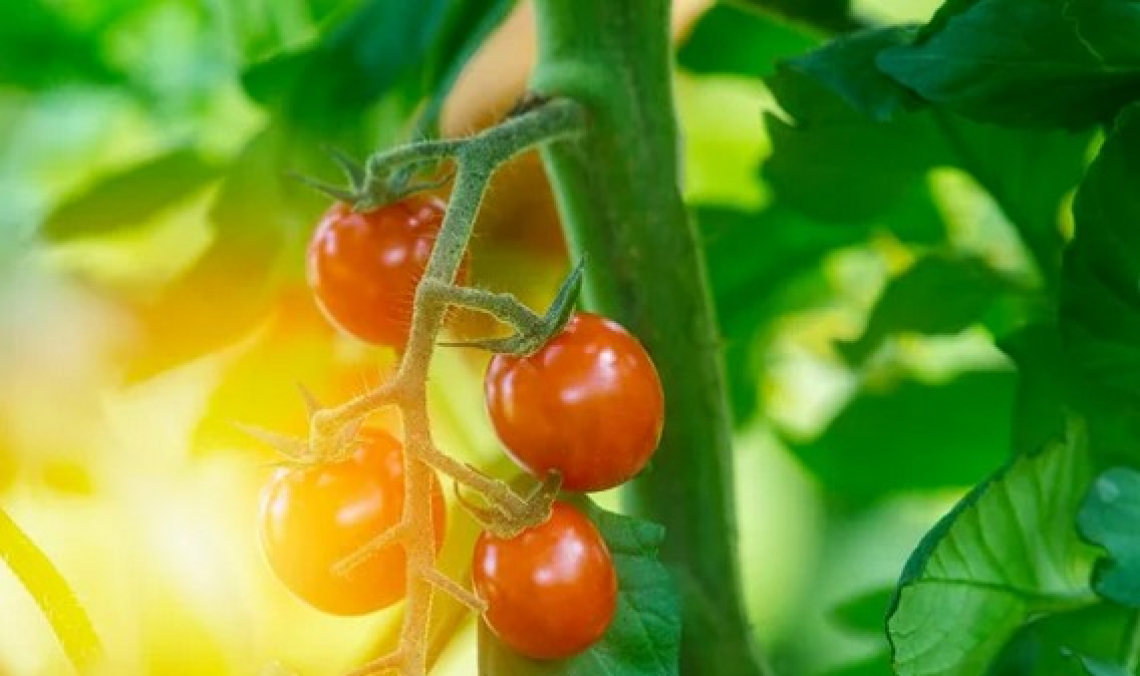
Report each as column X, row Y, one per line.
column 587, row 405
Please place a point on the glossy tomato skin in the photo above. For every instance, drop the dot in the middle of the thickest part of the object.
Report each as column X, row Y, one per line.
column 551, row 591
column 313, row 517
column 363, row 268
column 588, row 404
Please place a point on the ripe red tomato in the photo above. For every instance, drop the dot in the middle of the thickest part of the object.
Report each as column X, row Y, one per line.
column 363, row 268
column 313, row 517
column 551, row 591
column 587, row 404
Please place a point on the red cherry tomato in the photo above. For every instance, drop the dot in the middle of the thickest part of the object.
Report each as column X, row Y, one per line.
column 363, row 268
column 313, row 517
column 551, row 591
column 587, row 404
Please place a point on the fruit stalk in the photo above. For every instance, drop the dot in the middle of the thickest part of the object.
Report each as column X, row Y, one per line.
column 616, row 189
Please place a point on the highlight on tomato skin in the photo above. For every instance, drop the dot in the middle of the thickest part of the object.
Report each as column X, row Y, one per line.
column 588, row 404
column 551, row 591
column 312, row 517
column 363, row 268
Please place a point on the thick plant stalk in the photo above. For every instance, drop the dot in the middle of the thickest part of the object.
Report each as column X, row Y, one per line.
column 617, row 192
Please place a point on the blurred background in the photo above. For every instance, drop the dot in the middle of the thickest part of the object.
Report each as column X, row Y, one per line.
column 152, row 294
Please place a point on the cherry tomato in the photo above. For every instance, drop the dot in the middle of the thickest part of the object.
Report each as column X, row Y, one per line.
column 551, row 591
column 363, row 268
column 587, row 404
column 313, row 517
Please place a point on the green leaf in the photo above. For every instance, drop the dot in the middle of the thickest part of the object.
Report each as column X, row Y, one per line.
column 730, row 39
column 262, row 219
column 751, row 256
column 130, row 197
column 1004, row 555
column 753, row 259
column 261, row 30
column 847, row 66
column 1100, row 299
column 928, row 435
column 1041, row 63
column 824, row 150
column 40, row 49
column 356, row 61
column 820, row 160
column 1095, row 667
column 415, row 47
column 949, row 10
column 866, row 613
column 53, row 595
column 1051, row 387
column 830, row 15
column 879, row 665
column 1047, row 645
column 941, row 294
column 1109, row 518
column 1029, row 174
column 644, row 637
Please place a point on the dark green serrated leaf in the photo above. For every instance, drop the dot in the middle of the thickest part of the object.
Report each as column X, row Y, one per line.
column 928, row 435
column 1007, row 553
column 1051, row 386
column 128, row 198
column 644, row 637
column 1029, row 174
column 1108, row 518
column 1100, row 294
column 1040, row 63
column 820, row 160
column 824, row 150
column 733, row 40
column 941, row 294
column 847, row 65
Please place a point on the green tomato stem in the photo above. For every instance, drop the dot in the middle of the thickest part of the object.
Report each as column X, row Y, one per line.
column 617, row 192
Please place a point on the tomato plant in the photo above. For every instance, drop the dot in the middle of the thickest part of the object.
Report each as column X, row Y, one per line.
column 551, row 591
column 588, row 405
column 363, row 268
column 313, row 518
column 882, row 254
